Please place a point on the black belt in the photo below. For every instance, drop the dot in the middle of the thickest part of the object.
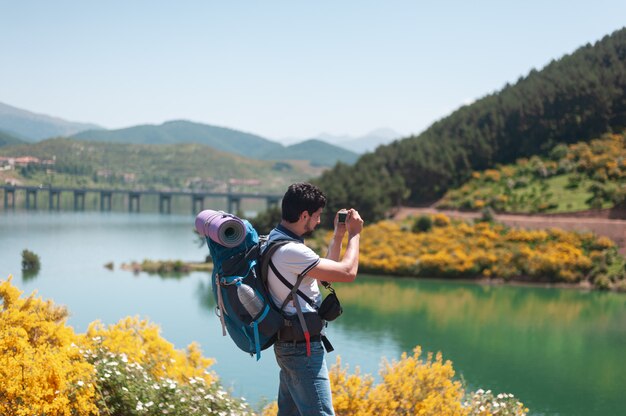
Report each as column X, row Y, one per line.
column 302, row 342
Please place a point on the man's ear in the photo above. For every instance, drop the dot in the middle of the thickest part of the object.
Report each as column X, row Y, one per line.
column 304, row 215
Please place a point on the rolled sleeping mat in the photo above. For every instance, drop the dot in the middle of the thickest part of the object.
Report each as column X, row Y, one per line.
column 223, row 228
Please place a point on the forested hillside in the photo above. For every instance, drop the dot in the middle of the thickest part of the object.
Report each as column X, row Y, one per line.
column 119, row 165
column 571, row 178
column 7, row 139
column 318, row 153
column 578, row 97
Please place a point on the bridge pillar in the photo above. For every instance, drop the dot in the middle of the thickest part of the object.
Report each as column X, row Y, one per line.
column 234, row 204
column 105, row 201
column 165, row 203
column 272, row 202
column 7, row 192
column 54, row 194
column 134, row 196
column 197, row 200
column 31, row 192
column 79, row 200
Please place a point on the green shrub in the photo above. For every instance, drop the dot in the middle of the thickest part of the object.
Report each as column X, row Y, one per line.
column 165, row 267
column 558, row 152
column 602, row 282
column 30, row 261
column 573, row 181
column 423, row 224
column 265, row 221
column 487, row 214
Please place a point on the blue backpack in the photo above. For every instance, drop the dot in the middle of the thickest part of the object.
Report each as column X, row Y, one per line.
column 236, row 270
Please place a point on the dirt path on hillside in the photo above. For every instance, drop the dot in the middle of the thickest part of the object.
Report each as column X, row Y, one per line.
column 615, row 229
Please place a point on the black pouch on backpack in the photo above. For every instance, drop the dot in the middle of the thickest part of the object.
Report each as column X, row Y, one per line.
column 330, row 309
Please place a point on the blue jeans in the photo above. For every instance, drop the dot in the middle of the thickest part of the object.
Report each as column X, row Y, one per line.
column 304, row 384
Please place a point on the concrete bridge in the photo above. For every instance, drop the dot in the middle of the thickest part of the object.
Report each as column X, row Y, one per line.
column 134, row 198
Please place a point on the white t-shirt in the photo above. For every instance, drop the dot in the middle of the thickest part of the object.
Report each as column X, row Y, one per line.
column 291, row 260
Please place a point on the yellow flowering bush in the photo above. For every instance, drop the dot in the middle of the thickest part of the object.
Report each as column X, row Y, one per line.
column 524, row 186
column 412, row 385
column 460, row 249
column 350, row 391
column 492, row 175
column 441, row 220
column 124, row 369
column 42, row 370
column 141, row 342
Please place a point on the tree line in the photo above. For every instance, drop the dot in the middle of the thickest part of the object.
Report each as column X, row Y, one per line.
column 578, row 97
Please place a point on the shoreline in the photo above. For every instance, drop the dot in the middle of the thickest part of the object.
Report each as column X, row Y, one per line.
column 188, row 267
column 165, row 267
column 582, row 286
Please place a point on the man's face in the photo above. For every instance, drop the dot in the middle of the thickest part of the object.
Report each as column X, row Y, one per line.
column 312, row 222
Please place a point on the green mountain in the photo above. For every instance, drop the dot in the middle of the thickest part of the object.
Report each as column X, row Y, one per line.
column 166, row 166
column 7, row 139
column 577, row 97
column 33, row 127
column 181, row 131
column 223, row 139
column 318, row 152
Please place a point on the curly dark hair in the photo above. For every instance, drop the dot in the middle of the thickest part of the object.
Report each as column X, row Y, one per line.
column 301, row 197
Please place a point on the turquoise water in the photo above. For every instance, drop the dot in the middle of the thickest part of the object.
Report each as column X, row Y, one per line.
column 559, row 351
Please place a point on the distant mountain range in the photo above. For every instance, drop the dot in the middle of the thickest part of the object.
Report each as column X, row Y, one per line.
column 224, row 139
column 28, row 126
column 357, row 144
column 362, row 144
column 17, row 124
column 180, row 131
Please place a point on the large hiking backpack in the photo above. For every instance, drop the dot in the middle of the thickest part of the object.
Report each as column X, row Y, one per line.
column 244, row 306
column 235, row 268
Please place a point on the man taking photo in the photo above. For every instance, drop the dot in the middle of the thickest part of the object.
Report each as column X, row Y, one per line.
column 304, row 383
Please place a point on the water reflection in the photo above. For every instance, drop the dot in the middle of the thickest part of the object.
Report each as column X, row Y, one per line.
column 204, row 294
column 558, row 350
column 30, row 275
column 505, row 338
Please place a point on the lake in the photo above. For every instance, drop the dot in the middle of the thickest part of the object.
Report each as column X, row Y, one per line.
column 560, row 351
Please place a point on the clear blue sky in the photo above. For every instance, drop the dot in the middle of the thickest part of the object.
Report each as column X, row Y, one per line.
column 281, row 69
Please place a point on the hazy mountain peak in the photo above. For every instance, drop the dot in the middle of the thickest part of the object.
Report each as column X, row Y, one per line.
column 385, row 132
column 34, row 126
column 361, row 144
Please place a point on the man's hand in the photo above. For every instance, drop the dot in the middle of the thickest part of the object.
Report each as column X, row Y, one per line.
column 331, row 269
column 354, row 222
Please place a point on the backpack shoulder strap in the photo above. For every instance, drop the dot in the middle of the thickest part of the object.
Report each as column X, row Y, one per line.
column 266, row 263
column 266, row 256
column 293, row 288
